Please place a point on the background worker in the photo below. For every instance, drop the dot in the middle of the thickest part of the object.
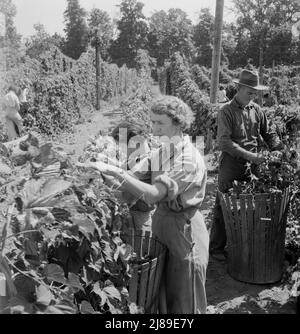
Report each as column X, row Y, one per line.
column 242, row 130
column 24, row 104
column 11, row 108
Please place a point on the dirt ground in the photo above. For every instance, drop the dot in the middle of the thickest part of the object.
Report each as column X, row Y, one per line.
column 224, row 294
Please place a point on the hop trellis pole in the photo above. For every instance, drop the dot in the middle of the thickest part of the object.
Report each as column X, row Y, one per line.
column 216, row 59
column 217, row 51
column 98, row 76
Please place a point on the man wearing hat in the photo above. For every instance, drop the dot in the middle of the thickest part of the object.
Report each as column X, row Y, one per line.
column 242, row 127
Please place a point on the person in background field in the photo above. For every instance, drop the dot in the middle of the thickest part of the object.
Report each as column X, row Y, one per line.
column 222, row 97
column 178, row 183
column 11, row 108
column 24, row 104
column 242, row 130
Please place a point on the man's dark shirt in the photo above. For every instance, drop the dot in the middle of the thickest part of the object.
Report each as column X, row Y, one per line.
column 241, row 129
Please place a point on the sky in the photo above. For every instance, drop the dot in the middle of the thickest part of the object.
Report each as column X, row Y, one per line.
column 50, row 12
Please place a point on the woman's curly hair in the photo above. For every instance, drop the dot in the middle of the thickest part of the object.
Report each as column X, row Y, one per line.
column 180, row 113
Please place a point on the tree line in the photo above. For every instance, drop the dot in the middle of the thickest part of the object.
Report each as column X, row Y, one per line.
column 262, row 32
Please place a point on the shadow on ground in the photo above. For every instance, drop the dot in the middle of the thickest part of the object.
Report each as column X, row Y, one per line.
column 226, row 295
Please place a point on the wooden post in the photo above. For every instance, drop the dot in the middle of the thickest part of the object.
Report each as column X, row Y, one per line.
column 261, row 64
column 98, row 76
column 273, row 68
column 217, row 51
column 3, row 50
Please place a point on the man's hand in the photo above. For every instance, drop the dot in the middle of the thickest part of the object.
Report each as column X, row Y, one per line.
column 259, row 158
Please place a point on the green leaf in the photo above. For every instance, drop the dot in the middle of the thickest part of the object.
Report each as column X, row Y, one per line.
column 50, row 234
column 86, row 308
column 43, row 295
column 86, row 226
column 52, row 310
column 42, row 193
column 106, row 250
column 112, row 292
column 112, row 308
column 54, row 272
column 25, row 287
column 66, row 306
column 73, row 281
column 84, row 249
column 30, row 247
column 99, row 292
column 69, row 204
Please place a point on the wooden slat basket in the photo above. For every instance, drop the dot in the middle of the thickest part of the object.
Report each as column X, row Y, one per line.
column 255, row 228
column 145, row 282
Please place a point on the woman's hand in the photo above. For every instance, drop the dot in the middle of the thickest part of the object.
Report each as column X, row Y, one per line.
column 108, row 172
column 106, row 159
column 100, row 167
column 259, row 158
column 111, row 181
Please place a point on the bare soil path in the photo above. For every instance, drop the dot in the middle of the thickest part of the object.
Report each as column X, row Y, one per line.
column 92, row 124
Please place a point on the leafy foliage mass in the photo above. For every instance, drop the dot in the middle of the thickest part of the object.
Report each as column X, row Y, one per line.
column 65, row 253
column 60, row 87
column 177, row 79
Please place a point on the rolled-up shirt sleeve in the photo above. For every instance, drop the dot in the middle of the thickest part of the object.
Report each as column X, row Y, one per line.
column 170, row 184
column 183, row 180
column 225, row 142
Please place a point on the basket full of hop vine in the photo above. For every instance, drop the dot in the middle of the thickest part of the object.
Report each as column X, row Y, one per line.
column 255, row 214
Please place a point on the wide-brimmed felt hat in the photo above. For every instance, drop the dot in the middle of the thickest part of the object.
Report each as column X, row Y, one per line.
column 250, row 79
